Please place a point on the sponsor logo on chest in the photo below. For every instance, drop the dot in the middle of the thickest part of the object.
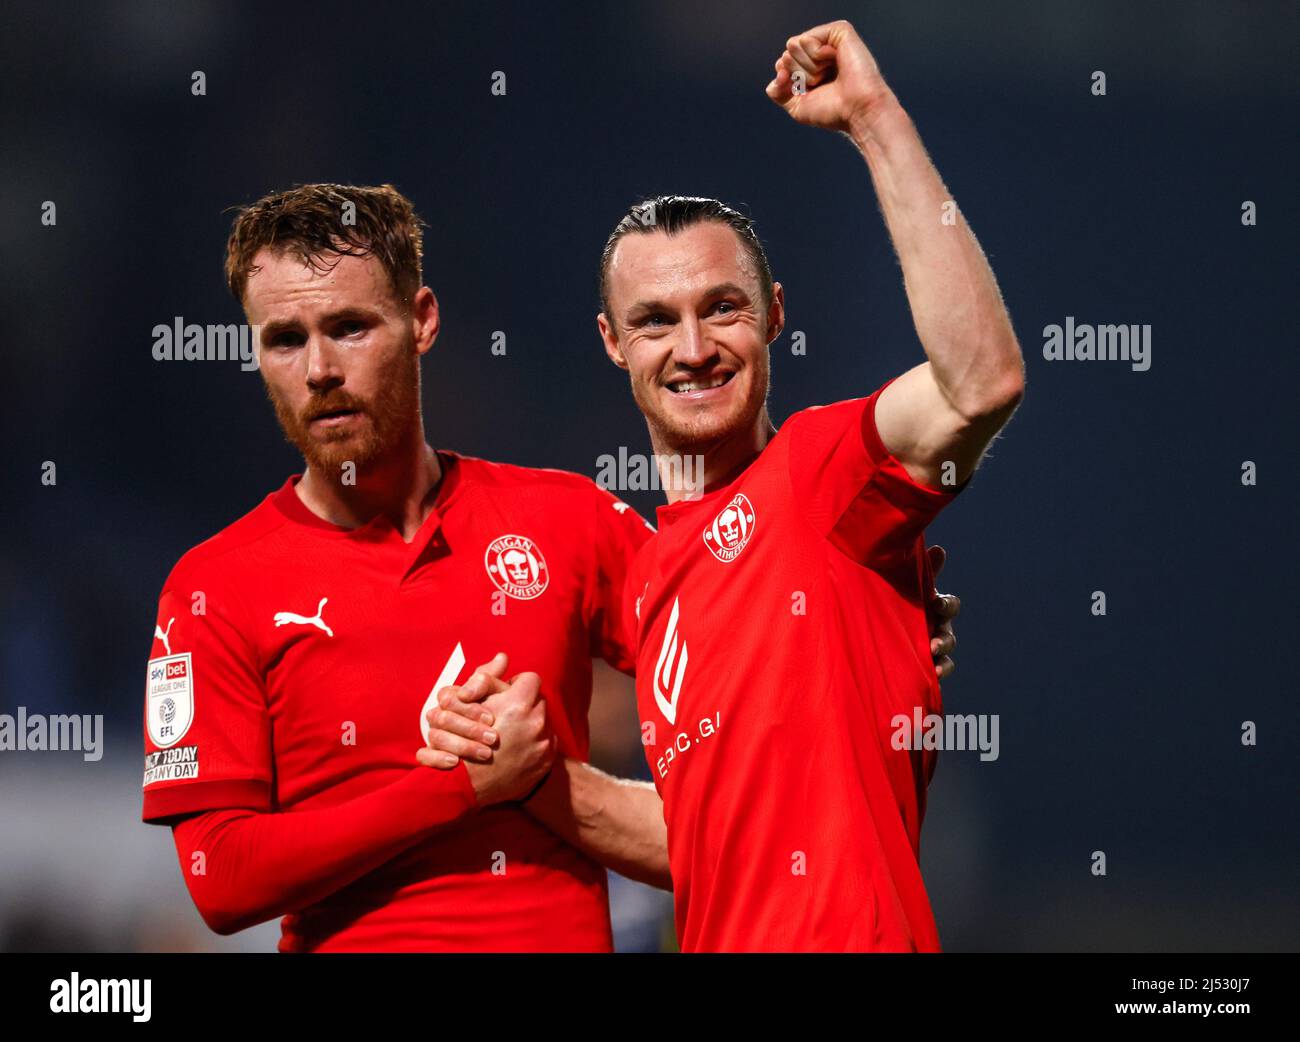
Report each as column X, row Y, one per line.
column 670, row 668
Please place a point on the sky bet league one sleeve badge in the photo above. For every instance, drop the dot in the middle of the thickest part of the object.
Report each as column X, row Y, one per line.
column 170, row 699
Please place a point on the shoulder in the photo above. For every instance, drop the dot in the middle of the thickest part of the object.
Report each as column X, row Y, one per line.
column 232, row 550
column 844, row 431
column 821, row 417
column 475, row 471
column 592, row 517
column 559, row 489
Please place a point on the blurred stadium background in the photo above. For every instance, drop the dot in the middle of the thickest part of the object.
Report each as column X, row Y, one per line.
column 1119, row 734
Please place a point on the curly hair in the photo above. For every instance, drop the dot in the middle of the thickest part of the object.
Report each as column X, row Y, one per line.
column 317, row 221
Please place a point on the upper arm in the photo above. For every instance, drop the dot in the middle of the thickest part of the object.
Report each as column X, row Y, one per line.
column 851, row 489
column 620, row 533
column 937, row 443
column 206, row 722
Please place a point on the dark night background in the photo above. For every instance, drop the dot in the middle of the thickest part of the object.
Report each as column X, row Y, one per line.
column 1119, row 733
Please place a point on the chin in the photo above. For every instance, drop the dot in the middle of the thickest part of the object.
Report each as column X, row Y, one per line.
column 701, row 430
column 330, row 455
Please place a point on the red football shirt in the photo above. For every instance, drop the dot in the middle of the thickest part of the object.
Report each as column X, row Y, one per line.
column 781, row 625
column 294, row 660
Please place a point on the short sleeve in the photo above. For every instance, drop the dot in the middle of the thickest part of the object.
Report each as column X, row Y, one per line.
column 207, row 730
column 852, row 490
column 620, row 532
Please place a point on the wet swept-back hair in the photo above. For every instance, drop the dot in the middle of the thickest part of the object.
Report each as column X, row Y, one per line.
column 670, row 214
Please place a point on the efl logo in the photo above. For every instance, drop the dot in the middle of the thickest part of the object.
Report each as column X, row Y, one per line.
column 731, row 530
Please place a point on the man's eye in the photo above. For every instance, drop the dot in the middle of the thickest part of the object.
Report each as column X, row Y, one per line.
column 654, row 320
column 350, row 328
column 725, row 307
column 286, row 340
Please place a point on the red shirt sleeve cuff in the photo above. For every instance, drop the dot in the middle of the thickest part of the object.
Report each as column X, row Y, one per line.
column 197, row 796
column 454, row 785
column 898, row 486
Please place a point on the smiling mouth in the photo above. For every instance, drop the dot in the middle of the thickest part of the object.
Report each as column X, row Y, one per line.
column 707, row 383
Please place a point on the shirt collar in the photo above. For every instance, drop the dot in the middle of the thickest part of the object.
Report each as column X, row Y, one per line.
column 287, row 502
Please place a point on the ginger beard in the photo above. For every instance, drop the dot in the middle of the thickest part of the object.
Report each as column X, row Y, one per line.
column 385, row 422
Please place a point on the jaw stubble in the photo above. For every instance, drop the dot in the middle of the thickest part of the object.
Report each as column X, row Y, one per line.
column 704, row 433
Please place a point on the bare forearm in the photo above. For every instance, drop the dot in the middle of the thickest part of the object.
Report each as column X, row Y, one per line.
column 956, row 306
column 616, row 821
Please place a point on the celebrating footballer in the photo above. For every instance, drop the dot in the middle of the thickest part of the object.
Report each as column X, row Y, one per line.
column 312, row 734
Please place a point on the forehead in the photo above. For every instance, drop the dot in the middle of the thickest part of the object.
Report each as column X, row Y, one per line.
column 658, row 266
column 284, row 281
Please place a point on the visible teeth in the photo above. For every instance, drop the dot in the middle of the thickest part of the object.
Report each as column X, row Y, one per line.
column 699, row 385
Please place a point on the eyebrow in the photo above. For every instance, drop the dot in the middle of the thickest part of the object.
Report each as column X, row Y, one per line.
column 278, row 326
column 722, row 289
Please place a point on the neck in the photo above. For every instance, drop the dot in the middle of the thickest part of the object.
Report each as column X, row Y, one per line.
column 399, row 486
column 723, row 459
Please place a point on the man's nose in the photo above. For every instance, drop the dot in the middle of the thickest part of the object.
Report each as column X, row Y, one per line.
column 323, row 367
column 692, row 347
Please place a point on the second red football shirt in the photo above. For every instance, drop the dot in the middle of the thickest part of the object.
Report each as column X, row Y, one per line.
column 781, row 626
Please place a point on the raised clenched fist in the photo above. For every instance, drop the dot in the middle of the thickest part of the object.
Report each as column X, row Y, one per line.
column 826, row 77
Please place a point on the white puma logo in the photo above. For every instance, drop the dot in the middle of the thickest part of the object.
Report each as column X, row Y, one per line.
column 161, row 634
column 283, row 618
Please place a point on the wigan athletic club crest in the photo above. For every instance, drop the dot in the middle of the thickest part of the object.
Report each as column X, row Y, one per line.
column 517, row 566
column 731, row 529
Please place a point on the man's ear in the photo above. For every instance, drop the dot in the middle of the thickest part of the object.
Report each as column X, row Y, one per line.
column 776, row 313
column 425, row 318
column 610, row 339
